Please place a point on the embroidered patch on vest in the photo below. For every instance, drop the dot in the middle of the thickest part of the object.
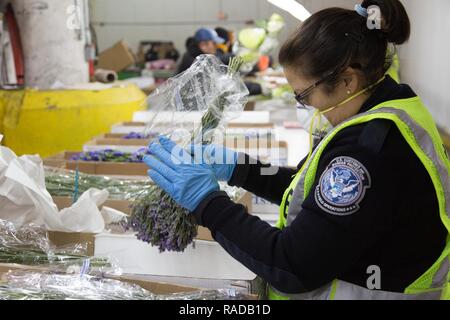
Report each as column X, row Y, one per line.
column 342, row 186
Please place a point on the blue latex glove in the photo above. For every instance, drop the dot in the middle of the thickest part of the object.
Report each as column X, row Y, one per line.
column 174, row 170
column 221, row 160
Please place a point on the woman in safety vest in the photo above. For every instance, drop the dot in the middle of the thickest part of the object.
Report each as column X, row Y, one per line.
column 367, row 214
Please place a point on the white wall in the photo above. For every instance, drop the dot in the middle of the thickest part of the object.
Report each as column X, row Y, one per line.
column 175, row 20
column 426, row 58
column 136, row 20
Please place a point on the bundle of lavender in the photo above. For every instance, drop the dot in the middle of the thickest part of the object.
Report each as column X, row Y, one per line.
column 218, row 91
column 109, row 155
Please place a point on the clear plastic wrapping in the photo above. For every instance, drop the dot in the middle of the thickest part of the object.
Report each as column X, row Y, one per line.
column 208, row 87
column 23, row 285
column 219, row 94
column 69, row 274
column 219, row 294
column 61, row 182
column 30, row 246
column 19, row 285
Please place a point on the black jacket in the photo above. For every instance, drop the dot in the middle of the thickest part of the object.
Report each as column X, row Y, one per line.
column 192, row 52
column 396, row 228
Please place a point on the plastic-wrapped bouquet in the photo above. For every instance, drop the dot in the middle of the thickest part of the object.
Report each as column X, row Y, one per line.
column 217, row 91
column 63, row 183
column 30, row 245
column 68, row 183
column 25, row 285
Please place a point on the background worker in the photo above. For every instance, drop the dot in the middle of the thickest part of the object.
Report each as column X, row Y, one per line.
column 204, row 42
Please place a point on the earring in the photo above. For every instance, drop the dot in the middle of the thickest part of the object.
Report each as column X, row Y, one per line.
column 349, row 92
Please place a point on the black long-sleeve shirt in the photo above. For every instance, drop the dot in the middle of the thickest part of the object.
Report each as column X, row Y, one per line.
column 396, row 228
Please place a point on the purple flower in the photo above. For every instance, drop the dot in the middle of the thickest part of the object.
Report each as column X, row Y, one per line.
column 76, row 157
column 143, row 151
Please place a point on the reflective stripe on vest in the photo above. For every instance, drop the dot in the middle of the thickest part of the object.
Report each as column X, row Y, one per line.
column 341, row 290
column 418, row 129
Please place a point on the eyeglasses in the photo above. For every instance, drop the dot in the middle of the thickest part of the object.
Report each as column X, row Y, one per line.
column 302, row 96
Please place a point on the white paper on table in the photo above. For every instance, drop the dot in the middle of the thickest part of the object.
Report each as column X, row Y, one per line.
column 111, row 215
column 25, row 200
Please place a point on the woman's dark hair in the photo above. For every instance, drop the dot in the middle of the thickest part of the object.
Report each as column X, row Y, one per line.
column 333, row 39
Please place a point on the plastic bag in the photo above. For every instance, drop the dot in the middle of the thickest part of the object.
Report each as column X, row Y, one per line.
column 61, row 182
column 24, row 199
column 20, row 285
column 207, row 87
column 30, row 245
column 218, row 92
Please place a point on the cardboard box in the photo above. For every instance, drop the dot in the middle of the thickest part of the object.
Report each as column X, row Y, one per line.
column 125, row 205
column 121, row 205
column 152, row 286
column 120, row 137
column 116, row 58
column 66, row 239
column 247, row 287
column 253, row 117
column 136, row 257
column 266, row 150
column 156, row 284
column 206, row 260
column 124, row 128
column 62, row 238
column 158, row 287
column 250, row 106
column 62, row 160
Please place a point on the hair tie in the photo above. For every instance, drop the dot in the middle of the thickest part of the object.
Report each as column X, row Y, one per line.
column 361, row 11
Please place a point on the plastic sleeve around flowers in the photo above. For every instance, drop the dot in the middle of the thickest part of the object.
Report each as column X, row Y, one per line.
column 209, row 88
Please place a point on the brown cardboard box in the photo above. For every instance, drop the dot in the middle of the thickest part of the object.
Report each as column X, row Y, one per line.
column 62, row 238
column 250, row 106
column 125, row 205
column 116, row 58
column 62, row 160
column 154, row 287
column 268, row 125
column 159, row 288
column 119, row 142
column 6, row 267
column 66, row 239
column 230, row 125
column 229, row 142
column 121, row 205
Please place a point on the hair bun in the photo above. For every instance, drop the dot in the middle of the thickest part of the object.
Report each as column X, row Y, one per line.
column 395, row 23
